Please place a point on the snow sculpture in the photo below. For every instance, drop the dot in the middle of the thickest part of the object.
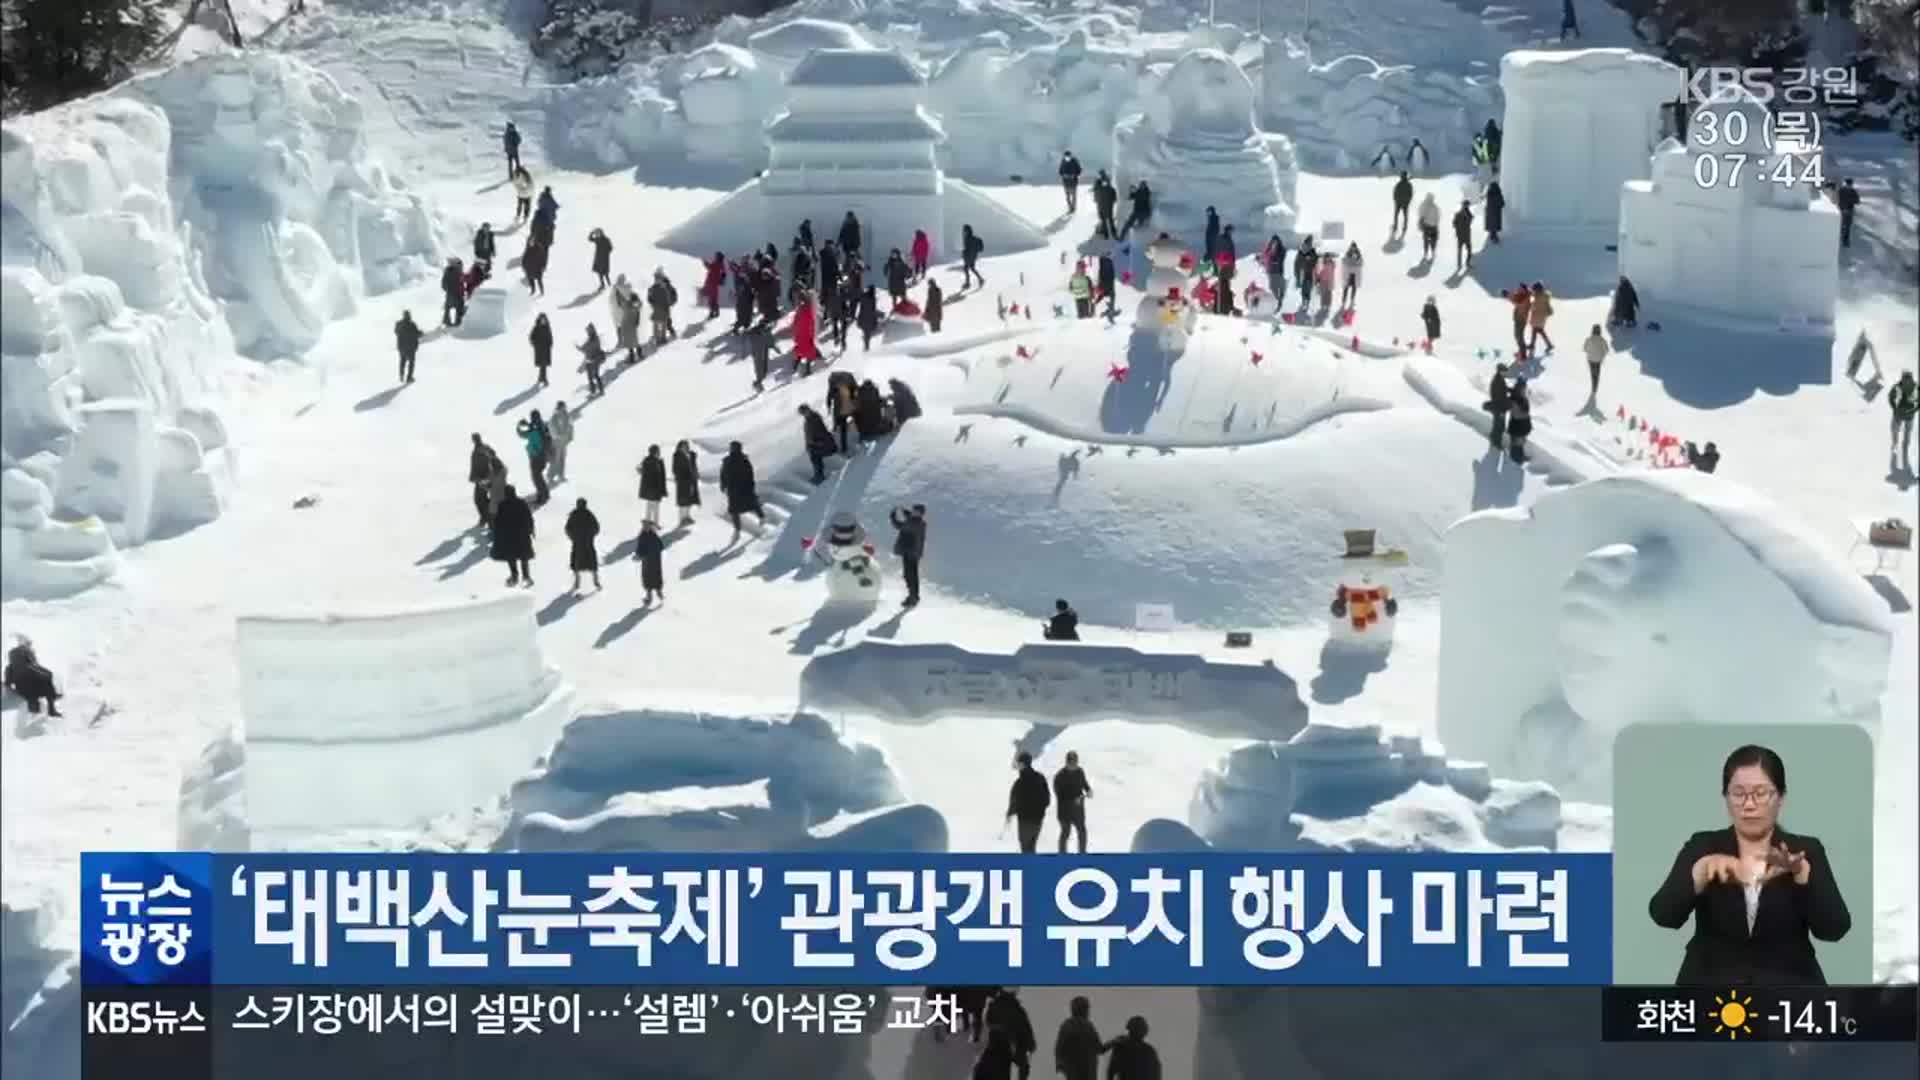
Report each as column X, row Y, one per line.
column 853, row 575
column 487, row 311
column 854, row 137
column 1669, row 595
column 1166, row 311
column 1197, row 145
column 726, row 95
column 1340, row 114
column 387, row 720
column 1579, row 124
column 787, row 44
column 1764, row 251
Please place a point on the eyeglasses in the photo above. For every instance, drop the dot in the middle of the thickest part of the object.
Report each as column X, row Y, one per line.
column 1757, row 796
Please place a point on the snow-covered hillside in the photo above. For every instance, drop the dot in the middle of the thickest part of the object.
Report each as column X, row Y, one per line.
column 212, row 259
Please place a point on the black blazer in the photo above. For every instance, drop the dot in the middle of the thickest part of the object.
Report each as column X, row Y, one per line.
column 1777, row 952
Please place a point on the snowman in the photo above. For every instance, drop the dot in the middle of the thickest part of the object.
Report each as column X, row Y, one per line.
column 1166, row 310
column 853, row 574
column 1363, row 616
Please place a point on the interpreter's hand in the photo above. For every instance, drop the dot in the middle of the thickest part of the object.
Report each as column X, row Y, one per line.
column 1781, row 861
column 1716, row 870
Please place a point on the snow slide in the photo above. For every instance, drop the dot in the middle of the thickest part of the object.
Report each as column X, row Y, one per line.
column 386, row 720
column 1640, row 597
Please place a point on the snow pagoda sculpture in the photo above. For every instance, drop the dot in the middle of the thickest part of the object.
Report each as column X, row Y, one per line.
column 854, row 137
column 1758, row 249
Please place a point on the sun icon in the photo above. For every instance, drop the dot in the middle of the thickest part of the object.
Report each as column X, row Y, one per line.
column 1733, row 1012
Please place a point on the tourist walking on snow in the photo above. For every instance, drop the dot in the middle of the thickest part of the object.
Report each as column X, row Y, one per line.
column 1273, row 260
column 869, row 318
column 1350, row 264
column 453, row 293
column 1463, row 236
column 406, row 338
column 806, row 329
column 686, row 480
column 760, row 348
column 511, row 140
column 522, row 195
column 602, row 257
column 661, row 297
column 513, row 537
column 1496, row 211
column 1429, row 228
column 1626, row 305
column 1212, row 235
column 1519, row 423
column 716, row 276
column 653, row 482
column 541, row 338
column 1323, row 276
column 1538, row 312
column 970, row 250
column 897, row 274
column 480, row 461
column 593, row 356
column 1070, row 794
column 484, row 245
column 1847, row 198
column 1078, row 1046
column 533, row 431
column 1499, row 403
column 1904, row 400
column 1430, row 319
column 910, row 543
column 1027, row 803
column 533, row 263
column 737, row 484
column 819, row 442
column 922, row 253
column 849, row 236
column 582, row 557
column 1402, row 204
column 1521, row 300
column 1104, row 282
column 1080, row 286
column 935, row 308
column 559, row 436
column 1141, row 197
column 1105, row 195
column 1070, row 180
column 1596, row 350
column 648, row 549
column 1305, row 262
column 626, row 314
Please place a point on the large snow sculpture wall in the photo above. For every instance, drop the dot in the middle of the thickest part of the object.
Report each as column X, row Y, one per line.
column 384, row 721
column 1578, row 125
column 1197, row 145
column 270, row 164
column 1669, row 595
column 1342, row 112
column 109, row 343
column 1763, row 251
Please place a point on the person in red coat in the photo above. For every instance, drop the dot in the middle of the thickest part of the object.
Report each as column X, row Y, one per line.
column 710, row 288
column 805, row 324
column 921, row 251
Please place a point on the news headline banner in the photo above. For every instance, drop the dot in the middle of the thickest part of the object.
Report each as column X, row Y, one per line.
column 1173, row 919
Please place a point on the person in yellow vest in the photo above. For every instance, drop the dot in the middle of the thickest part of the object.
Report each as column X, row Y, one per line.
column 1081, row 286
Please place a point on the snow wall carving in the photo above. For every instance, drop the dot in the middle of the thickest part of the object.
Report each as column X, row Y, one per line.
column 382, row 721
column 1056, row 684
column 1642, row 597
column 146, row 236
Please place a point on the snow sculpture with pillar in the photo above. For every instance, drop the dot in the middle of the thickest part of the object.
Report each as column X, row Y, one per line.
column 1731, row 228
column 1578, row 125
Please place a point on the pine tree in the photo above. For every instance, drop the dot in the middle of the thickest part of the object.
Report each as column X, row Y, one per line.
column 60, row 49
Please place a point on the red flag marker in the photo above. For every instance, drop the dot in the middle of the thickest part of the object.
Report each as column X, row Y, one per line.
column 1356, row 343
column 1021, row 352
column 1287, row 318
column 1620, row 413
column 1116, row 373
column 1126, row 277
column 1426, row 346
column 806, row 543
column 1256, row 359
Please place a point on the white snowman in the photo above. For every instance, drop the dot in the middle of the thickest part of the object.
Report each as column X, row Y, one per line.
column 1363, row 616
column 1166, row 310
column 853, row 574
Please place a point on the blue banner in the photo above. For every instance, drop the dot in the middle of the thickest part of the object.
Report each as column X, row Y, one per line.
column 679, row 919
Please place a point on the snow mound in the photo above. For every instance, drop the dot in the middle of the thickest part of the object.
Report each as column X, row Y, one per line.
column 1213, row 394
column 385, row 720
column 1638, row 597
column 1056, row 685
column 1348, row 787
column 1198, row 146
column 296, row 220
column 659, row 780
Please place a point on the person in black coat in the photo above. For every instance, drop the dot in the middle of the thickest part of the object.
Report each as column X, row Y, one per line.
column 1212, row 240
column 1070, row 793
column 1626, row 305
column 819, row 441
column 483, row 244
column 1463, row 236
column 843, row 401
column 602, row 257
column 971, row 248
column 850, row 234
column 1847, row 198
column 806, row 234
column 897, row 274
column 1304, row 260
column 870, row 412
column 801, row 272
column 541, row 338
column 737, row 484
column 910, row 543
column 1027, row 803
column 1519, row 422
column 1104, row 281
column 406, row 338
column 998, row 1060
column 1064, row 625
column 653, row 482
column 511, row 141
column 1705, row 460
column 1142, row 198
column 1402, row 204
column 648, row 549
column 26, row 677
column 454, row 293
column 1070, row 180
column 479, row 472
column 513, row 537
column 766, row 292
column 829, row 266
column 1078, row 1046
column 1105, row 195
column 936, row 306
column 906, row 405
column 582, row 558
column 686, row 480
column 1499, row 402
column 869, row 317
column 1005, row 1012
column 744, row 290
column 533, row 263
column 1756, row 893
column 1132, row 1057
column 1496, row 214
column 1430, row 318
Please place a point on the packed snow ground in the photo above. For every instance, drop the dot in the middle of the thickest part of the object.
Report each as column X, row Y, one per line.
column 387, row 527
